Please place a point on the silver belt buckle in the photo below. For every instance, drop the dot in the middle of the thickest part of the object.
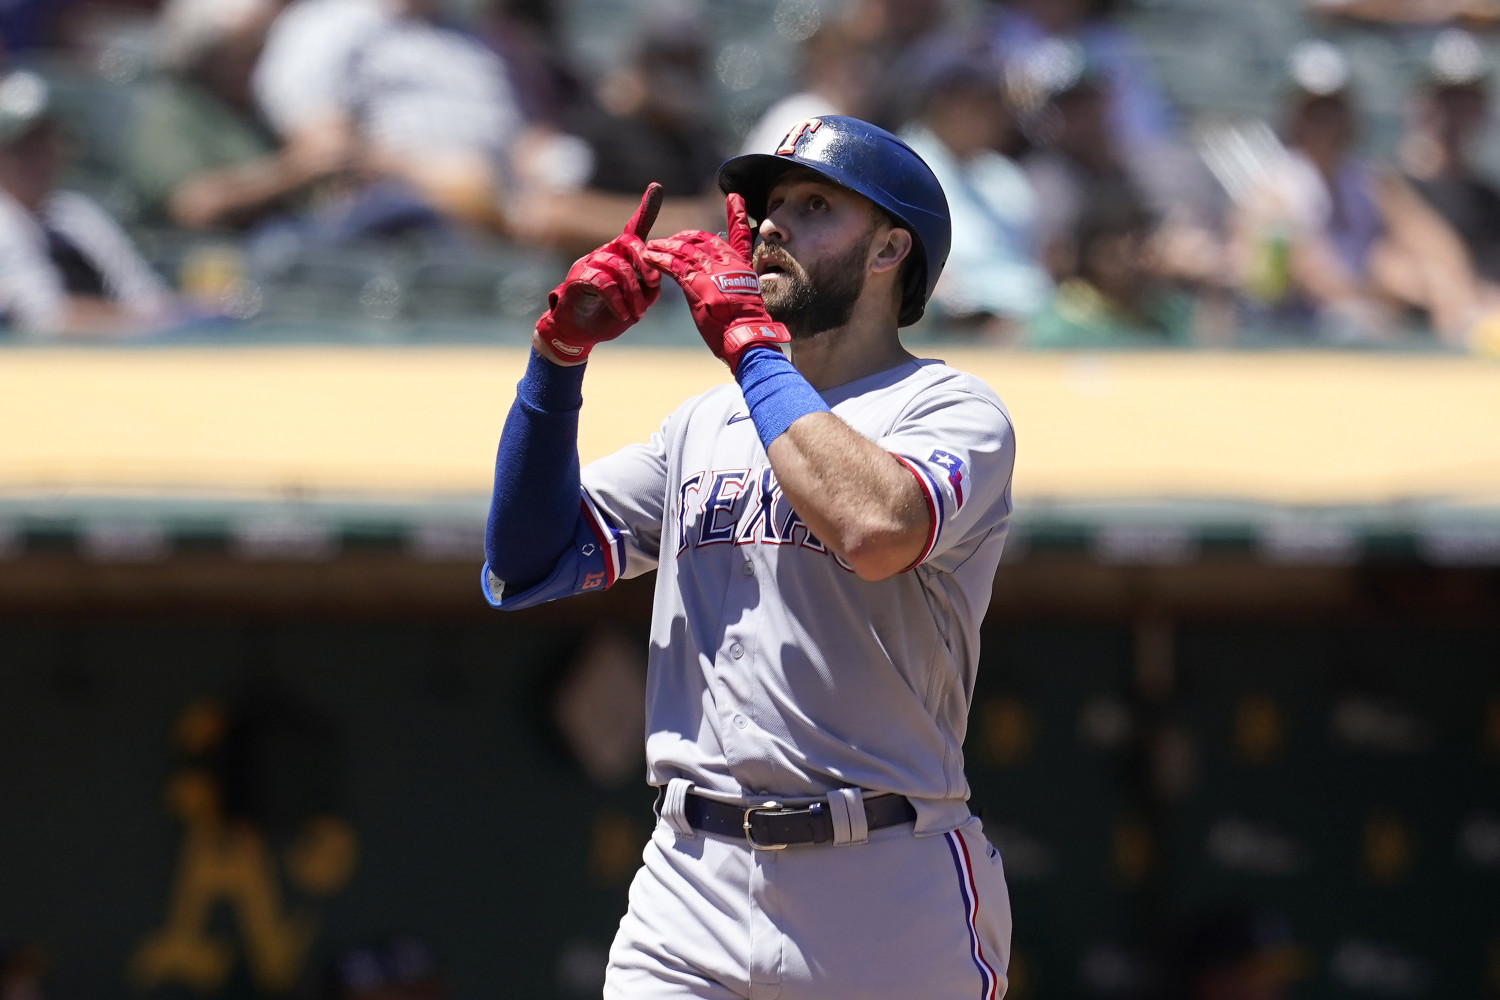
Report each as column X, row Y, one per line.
column 749, row 839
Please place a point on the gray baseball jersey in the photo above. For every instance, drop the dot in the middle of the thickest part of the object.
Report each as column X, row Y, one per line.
column 774, row 669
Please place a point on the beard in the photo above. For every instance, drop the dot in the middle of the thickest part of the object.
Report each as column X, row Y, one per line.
column 809, row 302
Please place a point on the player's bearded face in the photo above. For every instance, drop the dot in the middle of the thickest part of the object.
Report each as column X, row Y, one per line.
column 811, row 300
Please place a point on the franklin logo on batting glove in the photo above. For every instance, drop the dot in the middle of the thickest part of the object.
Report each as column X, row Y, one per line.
column 744, row 282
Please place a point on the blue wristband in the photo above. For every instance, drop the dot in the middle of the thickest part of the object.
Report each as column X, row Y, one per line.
column 775, row 391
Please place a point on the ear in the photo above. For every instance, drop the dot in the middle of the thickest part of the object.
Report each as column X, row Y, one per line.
column 889, row 248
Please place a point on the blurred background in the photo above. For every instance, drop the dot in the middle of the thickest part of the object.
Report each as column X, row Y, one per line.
column 267, row 276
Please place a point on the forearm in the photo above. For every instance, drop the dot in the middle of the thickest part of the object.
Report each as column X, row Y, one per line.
column 235, row 193
column 852, row 494
column 575, row 220
column 534, row 507
column 856, row 497
column 1393, row 11
column 88, row 317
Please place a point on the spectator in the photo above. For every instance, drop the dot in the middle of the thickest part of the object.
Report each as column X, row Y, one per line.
column 433, row 109
column 197, row 156
column 905, row 39
column 528, row 37
column 1114, row 297
column 1451, row 114
column 301, row 79
column 423, row 114
column 66, row 267
column 653, row 122
column 1135, row 108
column 838, row 76
column 993, row 277
column 1361, row 245
column 1066, row 101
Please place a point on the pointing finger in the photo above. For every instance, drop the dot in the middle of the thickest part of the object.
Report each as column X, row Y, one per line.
column 645, row 216
column 739, row 236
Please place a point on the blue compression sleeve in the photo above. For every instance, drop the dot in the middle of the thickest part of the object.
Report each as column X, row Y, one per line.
column 534, row 509
column 775, row 391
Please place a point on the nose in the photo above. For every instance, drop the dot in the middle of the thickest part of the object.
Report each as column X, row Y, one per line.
column 770, row 230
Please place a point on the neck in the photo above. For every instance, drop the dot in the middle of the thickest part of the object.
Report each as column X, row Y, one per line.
column 849, row 352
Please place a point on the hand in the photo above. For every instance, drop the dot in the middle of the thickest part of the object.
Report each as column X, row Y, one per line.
column 606, row 292
column 720, row 285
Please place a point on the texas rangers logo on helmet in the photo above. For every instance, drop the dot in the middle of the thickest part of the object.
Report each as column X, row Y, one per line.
column 743, row 282
column 806, row 126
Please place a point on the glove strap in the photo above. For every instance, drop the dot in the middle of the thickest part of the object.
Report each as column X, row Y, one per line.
column 742, row 336
column 552, row 335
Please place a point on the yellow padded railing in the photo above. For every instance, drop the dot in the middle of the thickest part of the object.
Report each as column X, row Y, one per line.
column 312, row 421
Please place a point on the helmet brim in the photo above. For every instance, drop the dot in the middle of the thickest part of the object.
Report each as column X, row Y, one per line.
column 753, row 175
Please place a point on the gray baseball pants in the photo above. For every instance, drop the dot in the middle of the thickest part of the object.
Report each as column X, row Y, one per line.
column 898, row 917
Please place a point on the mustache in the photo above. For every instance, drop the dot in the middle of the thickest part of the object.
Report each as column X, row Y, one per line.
column 773, row 254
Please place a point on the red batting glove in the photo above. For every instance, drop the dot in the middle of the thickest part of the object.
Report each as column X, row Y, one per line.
column 720, row 285
column 607, row 291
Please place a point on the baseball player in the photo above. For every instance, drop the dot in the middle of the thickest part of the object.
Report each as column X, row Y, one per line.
column 825, row 532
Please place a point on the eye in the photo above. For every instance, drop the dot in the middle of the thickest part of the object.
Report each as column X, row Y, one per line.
column 816, row 203
column 773, row 204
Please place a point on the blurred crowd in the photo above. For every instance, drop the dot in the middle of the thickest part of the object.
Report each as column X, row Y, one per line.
column 1089, row 210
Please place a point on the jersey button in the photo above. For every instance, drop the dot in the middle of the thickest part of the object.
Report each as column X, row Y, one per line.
column 749, row 568
column 736, row 650
column 740, row 722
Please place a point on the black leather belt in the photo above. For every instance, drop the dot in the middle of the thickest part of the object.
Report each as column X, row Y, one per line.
column 772, row 826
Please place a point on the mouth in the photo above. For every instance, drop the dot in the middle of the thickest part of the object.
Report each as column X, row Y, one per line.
column 768, row 265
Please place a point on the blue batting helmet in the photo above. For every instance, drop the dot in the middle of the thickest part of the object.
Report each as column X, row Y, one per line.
column 872, row 162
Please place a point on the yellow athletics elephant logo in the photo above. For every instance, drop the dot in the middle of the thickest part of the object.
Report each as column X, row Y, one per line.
column 228, row 863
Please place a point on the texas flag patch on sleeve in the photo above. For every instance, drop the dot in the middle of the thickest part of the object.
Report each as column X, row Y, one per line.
column 955, row 467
